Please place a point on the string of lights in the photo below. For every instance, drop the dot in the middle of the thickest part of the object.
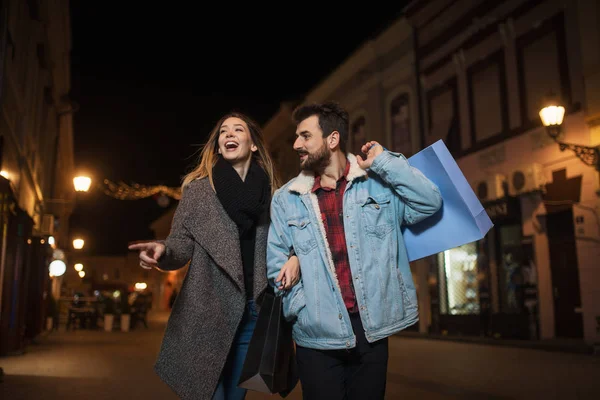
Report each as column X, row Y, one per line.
column 123, row 191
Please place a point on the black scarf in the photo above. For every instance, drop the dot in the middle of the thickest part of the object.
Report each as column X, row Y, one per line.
column 244, row 201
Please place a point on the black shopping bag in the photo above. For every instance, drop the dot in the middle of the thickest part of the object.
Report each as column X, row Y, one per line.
column 270, row 365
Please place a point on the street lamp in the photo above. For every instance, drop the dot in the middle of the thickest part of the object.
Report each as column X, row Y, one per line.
column 552, row 116
column 78, row 244
column 57, row 268
column 82, row 183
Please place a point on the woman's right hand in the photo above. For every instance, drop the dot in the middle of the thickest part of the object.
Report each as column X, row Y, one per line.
column 150, row 253
column 289, row 275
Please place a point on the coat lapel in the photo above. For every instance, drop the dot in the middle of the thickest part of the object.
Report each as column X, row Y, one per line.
column 217, row 233
column 260, row 256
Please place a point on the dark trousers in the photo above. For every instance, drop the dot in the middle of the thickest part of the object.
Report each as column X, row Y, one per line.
column 357, row 373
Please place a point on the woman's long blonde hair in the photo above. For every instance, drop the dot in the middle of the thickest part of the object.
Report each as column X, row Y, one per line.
column 208, row 156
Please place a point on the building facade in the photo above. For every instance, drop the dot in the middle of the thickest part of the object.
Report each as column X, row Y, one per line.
column 475, row 74
column 486, row 69
column 36, row 159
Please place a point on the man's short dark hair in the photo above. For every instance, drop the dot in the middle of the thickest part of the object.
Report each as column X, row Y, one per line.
column 332, row 117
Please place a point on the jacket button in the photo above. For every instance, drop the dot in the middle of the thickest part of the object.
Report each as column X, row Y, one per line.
column 340, row 316
column 347, row 344
column 377, row 206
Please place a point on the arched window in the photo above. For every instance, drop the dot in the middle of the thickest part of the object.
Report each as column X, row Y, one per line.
column 400, row 117
column 358, row 135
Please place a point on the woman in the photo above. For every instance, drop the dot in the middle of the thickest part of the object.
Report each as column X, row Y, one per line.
column 221, row 225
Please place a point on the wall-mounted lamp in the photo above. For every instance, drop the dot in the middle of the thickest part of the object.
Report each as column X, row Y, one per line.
column 552, row 116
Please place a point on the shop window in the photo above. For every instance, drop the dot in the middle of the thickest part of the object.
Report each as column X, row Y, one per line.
column 515, row 271
column 459, row 291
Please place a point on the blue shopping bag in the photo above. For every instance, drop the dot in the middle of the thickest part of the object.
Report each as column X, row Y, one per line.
column 462, row 218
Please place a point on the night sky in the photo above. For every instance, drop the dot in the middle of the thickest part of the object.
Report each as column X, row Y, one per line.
column 152, row 81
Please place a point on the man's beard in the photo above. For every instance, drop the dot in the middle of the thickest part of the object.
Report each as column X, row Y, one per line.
column 318, row 161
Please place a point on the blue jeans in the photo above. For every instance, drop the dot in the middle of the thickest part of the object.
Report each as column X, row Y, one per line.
column 228, row 389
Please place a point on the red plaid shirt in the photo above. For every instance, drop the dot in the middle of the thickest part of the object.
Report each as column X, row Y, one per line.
column 332, row 213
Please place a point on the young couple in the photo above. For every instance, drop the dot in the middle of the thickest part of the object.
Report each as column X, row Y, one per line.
column 330, row 239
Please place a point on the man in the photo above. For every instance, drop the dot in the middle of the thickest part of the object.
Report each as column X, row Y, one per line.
column 342, row 217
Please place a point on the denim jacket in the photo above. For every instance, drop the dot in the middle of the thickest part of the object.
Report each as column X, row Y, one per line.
column 376, row 204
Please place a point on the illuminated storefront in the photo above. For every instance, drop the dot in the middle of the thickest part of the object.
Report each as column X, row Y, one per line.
column 488, row 287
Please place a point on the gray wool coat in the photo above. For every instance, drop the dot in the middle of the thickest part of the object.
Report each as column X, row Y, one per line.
column 212, row 300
